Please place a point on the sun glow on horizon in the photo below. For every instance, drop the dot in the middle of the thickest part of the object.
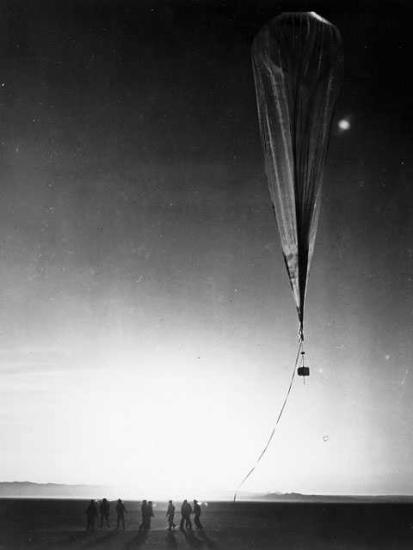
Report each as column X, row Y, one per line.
column 159, row 423
column 178, row 422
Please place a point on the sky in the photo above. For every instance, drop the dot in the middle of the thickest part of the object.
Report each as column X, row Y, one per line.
column 147, row 328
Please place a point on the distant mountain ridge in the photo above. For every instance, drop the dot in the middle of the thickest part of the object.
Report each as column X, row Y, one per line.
column 29, row 489
column 299, row 497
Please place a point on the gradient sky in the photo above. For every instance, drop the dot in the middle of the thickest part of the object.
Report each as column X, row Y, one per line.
column 147, row 329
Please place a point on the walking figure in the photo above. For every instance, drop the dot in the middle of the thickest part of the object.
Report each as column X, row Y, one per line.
column 186, row 512
column 144, row 516
column 120, row 514
column 91, row 515
column 170, row 514
column 197, row 514
column 149, row 514
column 104, row 512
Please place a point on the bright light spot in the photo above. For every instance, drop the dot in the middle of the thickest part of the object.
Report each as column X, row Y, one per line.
column 387, row 357
column 344, row 124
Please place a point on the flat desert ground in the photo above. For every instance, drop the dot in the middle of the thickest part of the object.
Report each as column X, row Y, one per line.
column 60, row 524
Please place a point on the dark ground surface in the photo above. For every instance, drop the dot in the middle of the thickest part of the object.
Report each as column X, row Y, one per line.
column 60, row 524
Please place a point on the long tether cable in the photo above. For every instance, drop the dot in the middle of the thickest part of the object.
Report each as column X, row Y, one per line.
column 300, row 346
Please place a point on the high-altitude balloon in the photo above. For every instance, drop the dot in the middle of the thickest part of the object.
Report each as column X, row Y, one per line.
column 297, row 61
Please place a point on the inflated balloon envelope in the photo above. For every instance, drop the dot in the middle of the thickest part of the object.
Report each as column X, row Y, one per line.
column 297, row 61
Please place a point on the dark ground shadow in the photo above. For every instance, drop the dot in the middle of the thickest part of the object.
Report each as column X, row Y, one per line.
column 207, row 540
column 171, row 540
column 138, row 540
column 71, row 538
column 101, row 539
column 192, row 540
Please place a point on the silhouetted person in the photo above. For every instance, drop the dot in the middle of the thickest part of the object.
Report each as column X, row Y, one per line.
column 197, row 514
column 144, row 515
column 120, row 514
column 186, row 511
column 104, row 512
column 170, row 514
column 91, row 515
column 149, row 514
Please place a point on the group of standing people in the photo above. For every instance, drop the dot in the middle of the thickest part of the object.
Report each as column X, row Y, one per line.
column 93, row 512
column 186, row 511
